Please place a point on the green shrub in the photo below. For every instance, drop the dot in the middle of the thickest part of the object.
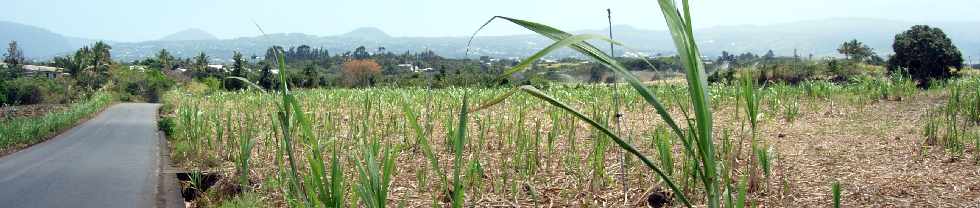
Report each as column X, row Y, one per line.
column 149, row 85
column 3, row 94
column 28, row 90
column 166, row 124
column 213, row 83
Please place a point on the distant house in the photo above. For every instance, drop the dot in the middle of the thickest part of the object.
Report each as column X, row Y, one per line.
column 181, row 69
column 222, row 68
column 217, row 67
column 43, row 71
column 140, row 68
column 413, row 68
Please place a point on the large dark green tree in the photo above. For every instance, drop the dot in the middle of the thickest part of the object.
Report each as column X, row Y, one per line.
column 925, row 53
column 266, row 79
column 311, row 76
column 855, row 50
column 361, row 53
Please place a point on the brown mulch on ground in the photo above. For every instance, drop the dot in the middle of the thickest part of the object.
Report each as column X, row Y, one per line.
column 875, row 151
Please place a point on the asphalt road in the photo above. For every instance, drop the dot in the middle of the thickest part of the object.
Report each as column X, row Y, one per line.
column 109, row 161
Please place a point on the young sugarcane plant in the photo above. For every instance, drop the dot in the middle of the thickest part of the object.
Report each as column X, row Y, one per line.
column 835, row 190
column 458, row 144
column 327, row 192
column 245, row 144
column 750, row 94
column 374, row 180
column 681, row 32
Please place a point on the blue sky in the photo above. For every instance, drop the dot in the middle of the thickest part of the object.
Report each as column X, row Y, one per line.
column 138, row 20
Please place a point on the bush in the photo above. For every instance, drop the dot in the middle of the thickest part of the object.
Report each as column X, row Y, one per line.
column 3, row 94
column 149, row 85
column 213, row 83
column 798, row 71
column 28, row 90
column 166, row 124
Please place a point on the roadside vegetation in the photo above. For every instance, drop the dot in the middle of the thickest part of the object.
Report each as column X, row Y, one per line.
column 17, row 133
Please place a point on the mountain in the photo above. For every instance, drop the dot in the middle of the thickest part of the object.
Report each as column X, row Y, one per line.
column 35, row 41
column 366, row 33
column 189, row 34
column 817, row 37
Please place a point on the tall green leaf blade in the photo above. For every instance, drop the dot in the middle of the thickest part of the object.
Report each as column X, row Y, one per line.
column 458, row 190
column 563, row 40
column 619, row 141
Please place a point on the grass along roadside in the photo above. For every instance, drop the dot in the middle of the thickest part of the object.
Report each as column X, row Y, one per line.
column 19, row 133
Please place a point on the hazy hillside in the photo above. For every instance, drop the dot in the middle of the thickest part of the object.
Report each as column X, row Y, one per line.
column 37, row 42
column 189, row 34
column 817, row 37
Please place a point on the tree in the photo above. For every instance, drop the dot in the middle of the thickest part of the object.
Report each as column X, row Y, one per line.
column 854, row 50
column 728, row 58
column 302, row 52
column 201, row 63
column 14, row 56
column 361, row 53
column 101, row 57
column 270, row 54
column 166, row 60
column 597, row 73
column 87, row 68
column 357, row 73
column 266, row 80
column 311, row 76
column 237, row 70
column 925, row 53
column 69, row 63
column 79, row 62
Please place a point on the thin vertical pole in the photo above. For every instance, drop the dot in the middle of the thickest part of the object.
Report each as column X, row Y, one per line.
column 619, row 114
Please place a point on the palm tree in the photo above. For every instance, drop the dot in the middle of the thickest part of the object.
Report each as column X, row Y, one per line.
column 101, row 57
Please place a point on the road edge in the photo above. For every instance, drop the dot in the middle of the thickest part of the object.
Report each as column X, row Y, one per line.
column 168, row 193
